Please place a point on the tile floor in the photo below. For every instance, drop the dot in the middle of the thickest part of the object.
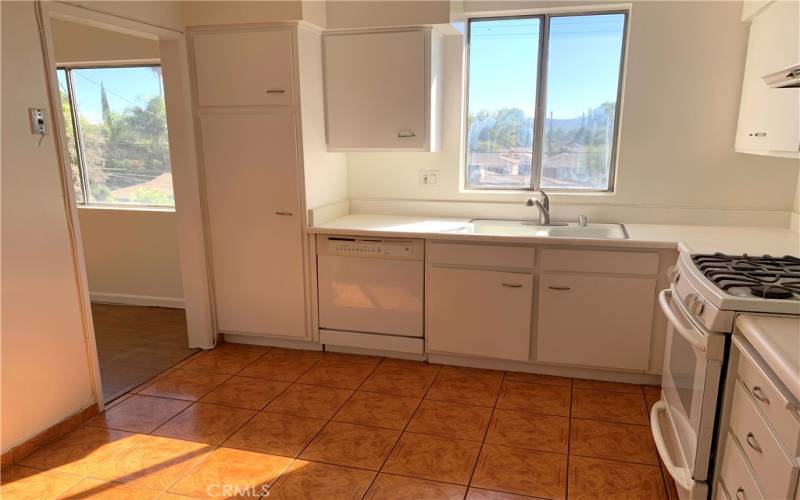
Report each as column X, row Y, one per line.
column 245, row 421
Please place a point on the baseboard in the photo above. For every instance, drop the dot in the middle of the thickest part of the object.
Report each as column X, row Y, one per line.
column 238, row 338
column 137, row 300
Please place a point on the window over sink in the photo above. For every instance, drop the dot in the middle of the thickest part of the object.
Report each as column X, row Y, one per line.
column 543, row 100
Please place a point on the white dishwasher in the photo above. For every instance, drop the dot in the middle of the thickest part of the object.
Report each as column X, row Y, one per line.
column 371, row 292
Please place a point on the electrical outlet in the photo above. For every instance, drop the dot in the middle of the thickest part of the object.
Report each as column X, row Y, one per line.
column 37, row 121
column 429, row 177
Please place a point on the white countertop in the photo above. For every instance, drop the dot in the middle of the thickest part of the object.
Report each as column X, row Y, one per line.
column 777, row 340
column 695, row 239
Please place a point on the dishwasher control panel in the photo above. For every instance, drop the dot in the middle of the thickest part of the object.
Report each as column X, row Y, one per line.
column 387, row 248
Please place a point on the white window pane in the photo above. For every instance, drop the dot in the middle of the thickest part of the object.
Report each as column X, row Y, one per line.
column 503, row 71
column 123, row 129
column 583, row 68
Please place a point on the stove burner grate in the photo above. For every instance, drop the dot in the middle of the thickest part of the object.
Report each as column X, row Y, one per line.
column 765, row 276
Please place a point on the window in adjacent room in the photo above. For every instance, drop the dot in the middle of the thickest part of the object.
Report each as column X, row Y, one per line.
column 543, row 101
column 117, row 135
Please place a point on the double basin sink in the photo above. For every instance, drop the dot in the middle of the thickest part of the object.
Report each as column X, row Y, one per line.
column 500, row 227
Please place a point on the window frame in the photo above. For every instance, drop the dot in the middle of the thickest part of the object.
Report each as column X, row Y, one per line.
column 541, row 102
column 78, row 136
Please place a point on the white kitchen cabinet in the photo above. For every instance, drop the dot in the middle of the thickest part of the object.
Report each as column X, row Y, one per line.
column 244, row 68
column 479, row 313
column 255, row 224
column 596, row 321
column 383, row 90
column 769, row 118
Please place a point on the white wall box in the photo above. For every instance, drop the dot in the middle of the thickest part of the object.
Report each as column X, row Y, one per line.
column 383, row 89
column 769, row 118
column 479, row 313
column 595, row 321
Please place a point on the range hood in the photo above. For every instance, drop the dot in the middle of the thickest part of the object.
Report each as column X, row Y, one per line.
column 787, row 77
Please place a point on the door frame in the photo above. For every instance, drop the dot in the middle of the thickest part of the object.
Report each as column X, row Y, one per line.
column 189, row 202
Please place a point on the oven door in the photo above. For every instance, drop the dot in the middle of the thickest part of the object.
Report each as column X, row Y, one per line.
column 690, row 391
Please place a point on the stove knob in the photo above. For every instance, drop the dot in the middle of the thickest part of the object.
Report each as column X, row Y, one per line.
column 694, row 304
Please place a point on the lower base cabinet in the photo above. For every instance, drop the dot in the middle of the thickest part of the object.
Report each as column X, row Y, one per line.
column 597, row 321
column 479, row 313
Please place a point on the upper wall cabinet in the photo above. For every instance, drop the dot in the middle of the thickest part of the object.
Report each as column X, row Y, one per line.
column 383, row 90
column 244, row 68
column 769, row 118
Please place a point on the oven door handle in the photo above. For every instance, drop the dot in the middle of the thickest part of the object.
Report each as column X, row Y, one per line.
column 694, row 337
column 681, row 475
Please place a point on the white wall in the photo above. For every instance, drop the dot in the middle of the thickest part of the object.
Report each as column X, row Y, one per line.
column 198, row 13
column 78, row 43
column 676, row 159
column 45, row 366
column 371, row 13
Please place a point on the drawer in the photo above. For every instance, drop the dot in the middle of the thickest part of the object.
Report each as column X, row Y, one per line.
column 774, row 470
column 590, row 261
column 779, row 407
column 736, row 474
column 482, row 255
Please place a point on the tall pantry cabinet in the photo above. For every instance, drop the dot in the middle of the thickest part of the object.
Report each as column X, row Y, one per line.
column 247, row 112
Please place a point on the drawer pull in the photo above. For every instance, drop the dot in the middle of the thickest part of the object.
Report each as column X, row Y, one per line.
column 406, row 133
column 282, row 212
column 512, row 285
column 740, row 494
column 758, row 393
column 563, row 288
column 276, row 91
column 751, row 441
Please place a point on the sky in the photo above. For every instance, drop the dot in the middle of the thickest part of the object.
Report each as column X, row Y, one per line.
column 125, row 88
column 583, row 63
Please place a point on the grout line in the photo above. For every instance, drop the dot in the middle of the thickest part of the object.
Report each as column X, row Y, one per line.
column 486, row 432
column 569, row 437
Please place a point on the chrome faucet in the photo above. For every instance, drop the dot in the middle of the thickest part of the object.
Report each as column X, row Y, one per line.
column 543, row 206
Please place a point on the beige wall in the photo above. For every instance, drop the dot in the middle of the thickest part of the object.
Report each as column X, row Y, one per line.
column 198, row 13
column 377, row 13
column 45, row 366
column 78, row 43
column 163, row 13
column 132, row 256
column 676, row 158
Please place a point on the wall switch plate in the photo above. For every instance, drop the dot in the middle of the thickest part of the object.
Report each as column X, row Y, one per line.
column 429, row 177
column 38, row 126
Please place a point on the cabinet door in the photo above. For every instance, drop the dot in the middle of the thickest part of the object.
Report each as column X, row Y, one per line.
column 595, row 321
column 251, row 177
column 249, row 68
column 375, row 88
column 479, row 313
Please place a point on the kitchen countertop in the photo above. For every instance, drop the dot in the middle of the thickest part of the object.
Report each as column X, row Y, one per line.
column 695, row 239
column 777, row 340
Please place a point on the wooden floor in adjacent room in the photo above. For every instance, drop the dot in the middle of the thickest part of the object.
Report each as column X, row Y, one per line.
column 136, row 343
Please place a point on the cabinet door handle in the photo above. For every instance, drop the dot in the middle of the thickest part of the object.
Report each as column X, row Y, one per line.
column 406, row 133
column 561, row 288
column 282, row 212
column 751, row 441
column 758, row 393
column 512, row 285
column 276, row 91
column 758, row 134
column 740, row 494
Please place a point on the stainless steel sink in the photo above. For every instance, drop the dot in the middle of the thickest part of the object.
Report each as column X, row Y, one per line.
column 556, row 230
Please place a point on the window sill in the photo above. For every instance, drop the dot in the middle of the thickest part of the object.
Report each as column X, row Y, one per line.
column 530, row 192
column 126, row 208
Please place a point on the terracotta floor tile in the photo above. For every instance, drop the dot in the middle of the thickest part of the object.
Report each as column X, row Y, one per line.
column 139, row 414
column 310, row 401
column 602, row 385
column 225, row 346
column 351, row 358
column 276, row 433
column 595, row 479
column 377, row 410
column 625, row 442
column 520, row 471
column 81, row 451
column 337, row 373
column 281, row 366
column 205, row 423
column 244, row 473
column 246, row 392
column 152, row 462
column 407, row 488
column 454, row 420
column 107, row 490
column 479, row 494
column 315, row 481
column 406, row 378
column 529, row 430
column 626, row 408
column 352, row 445
column 538, row 378
column 466, row 385
column 24, row 483
column 536, row 398
column 296, row 353
column 435, row 458
column 226, row 361
column 185, row 384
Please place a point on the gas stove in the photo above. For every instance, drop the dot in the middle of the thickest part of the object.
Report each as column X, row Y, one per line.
column 763, row 276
